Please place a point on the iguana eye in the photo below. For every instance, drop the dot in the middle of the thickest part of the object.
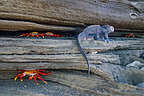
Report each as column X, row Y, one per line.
column 112, row 28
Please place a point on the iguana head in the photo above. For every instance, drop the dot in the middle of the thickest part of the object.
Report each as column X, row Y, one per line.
column 108, row 27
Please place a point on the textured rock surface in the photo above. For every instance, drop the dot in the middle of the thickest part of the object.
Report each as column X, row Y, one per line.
column 135, row 64
column 37, row 53
column 141, row 85
column 134, row 76
column 68, row 15
column 69, row 78
column 67, row 81
column 108, row 66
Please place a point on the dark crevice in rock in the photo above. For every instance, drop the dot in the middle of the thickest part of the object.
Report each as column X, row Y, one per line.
column 16, row 34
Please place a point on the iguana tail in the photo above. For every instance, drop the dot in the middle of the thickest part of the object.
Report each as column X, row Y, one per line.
column 84, row 55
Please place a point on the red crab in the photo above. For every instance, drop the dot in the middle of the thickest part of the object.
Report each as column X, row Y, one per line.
column 53, row 35
column 130, row 35
column 32, row 34
column 42, row 35
column 32, row 74
column 49, row 34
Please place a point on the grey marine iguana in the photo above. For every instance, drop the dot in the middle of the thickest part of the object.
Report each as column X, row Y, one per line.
column 99, row 32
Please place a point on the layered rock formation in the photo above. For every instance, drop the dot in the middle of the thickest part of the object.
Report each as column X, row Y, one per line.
column 108, row 64
column 69, row 15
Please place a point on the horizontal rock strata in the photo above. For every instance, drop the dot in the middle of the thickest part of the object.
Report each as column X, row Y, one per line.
column 45, row 53
column 68, row 65
column 67, row 15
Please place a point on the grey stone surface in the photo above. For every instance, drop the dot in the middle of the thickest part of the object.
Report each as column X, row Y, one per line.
column 108, row 67
column 69, row 15
column 29, row 88
column 141, row 85
column 135, row 64
column 142, row 69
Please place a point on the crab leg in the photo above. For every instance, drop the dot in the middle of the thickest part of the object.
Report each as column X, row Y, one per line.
column 35, row 80
column 45, row 73
column 41, row 79
column 17, row 76
column 21, row 77
column 42, row 70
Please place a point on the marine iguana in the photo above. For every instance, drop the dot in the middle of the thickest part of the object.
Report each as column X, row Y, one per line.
column 100, row 32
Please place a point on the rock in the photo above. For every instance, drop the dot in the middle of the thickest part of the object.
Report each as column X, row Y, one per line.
column 142, row 56
column 29, row 88
column 139, row 5
column 129, row 55
column 21, row 53
column 37, row 53
column 142, row 69
column 67, row 15
column 94, row 84
column 69, row 67
column 133, row 76
column 66, row 82
column 115, row 71
column 141, row 85
column 135, row 64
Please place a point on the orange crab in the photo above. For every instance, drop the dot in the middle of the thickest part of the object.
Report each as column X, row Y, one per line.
column 32, row 34
column 42, row 35
column 32, row 74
